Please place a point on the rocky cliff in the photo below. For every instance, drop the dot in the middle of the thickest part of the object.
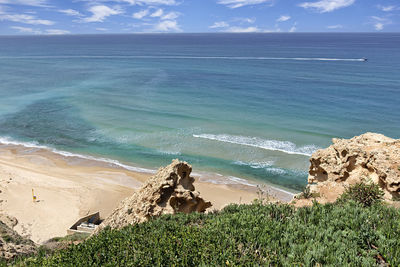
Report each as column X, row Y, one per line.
column 369, row 157
column 170, row 191
column 11, row 243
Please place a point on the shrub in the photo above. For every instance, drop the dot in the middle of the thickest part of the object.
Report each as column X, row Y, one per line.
column 70, row 238
column 348, row 234
column 363, row 193
column 306, row 194
column 7, row 238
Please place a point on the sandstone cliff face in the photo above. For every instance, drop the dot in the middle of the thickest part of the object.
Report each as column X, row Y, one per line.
column 12, row 244
column 369, row 157
column 170, row 191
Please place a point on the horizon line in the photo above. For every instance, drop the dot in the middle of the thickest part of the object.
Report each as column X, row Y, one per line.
column 183, row 33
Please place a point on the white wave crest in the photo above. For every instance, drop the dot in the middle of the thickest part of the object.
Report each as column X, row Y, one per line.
column 282, row 146
column 216, row 178
column 166, row 152
column 267, row 166
column 9, row 141
column 256, row 165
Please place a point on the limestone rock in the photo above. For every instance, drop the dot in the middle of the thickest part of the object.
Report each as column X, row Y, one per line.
column 169, row 191
column 369, row 157
column 11, row 243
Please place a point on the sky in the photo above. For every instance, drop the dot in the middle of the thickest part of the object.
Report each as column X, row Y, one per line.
column 192, row 16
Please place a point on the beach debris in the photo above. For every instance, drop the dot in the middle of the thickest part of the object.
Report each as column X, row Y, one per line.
column 169, row 191
column 368, row 158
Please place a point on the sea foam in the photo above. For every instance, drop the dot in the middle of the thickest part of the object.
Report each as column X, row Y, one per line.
column 9, row 141
column 282, row 146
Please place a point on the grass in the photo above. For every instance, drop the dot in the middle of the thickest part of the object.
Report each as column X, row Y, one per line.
column 345, row 233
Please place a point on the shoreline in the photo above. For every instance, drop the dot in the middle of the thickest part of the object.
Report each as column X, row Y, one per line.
column 213, row 178
column 69, row 187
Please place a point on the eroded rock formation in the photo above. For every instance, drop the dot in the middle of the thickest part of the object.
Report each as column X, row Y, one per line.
column 11, row 243
column 369, row 158
column 170, row 191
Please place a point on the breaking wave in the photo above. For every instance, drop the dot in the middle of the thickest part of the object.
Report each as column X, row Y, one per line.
column 275, row 145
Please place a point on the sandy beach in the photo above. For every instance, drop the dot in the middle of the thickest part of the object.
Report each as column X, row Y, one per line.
column 68, row 188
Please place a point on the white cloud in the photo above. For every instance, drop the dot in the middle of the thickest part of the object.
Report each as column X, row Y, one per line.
column 148, row 2
column 338, row 26
column 141, row 14
column 387, row 8
column 379, row 26
column 158, row 13
column 324, row 6
column 240, row 3
column 57, row 32
column 37, row 31
column 167, row 26
column 70, row 12
column 379, row 23
column 240, row 29
column 283, row 18
column 101, row 12
column 101, row 29
column 23, row 18
column 293, row 28
column 26, row 30
column 170, row 16
column 219, row 24
column 25, row 2
column 378, row 18
column 245, row 20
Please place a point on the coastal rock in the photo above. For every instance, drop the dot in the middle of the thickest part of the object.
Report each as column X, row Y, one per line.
column 369, row 157
column 11, row 243
column 11, row 222
column 169, row 191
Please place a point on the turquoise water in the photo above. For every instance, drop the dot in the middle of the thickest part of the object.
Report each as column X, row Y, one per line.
column 253, row 106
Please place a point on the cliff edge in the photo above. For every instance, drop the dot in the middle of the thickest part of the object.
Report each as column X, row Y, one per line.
column 169, row 191
column 370, row 158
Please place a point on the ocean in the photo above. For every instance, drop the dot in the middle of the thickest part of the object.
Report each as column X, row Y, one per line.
column 241, row 108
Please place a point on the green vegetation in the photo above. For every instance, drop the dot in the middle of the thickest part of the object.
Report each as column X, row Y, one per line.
column 70, row 238
column 272, row 234
column 358, row 230
column 306, row 193
column 363, row 193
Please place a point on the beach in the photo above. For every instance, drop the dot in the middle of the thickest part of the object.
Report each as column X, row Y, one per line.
column 68, row 187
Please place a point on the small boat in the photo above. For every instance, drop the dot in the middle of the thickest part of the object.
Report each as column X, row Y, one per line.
column 364, row 59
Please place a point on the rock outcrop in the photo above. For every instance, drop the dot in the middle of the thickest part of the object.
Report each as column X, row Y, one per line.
column 366, row 158
column 169, row 191
column 11, row 243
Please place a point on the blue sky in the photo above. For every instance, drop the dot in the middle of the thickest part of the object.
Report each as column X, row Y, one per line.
column 132, row 16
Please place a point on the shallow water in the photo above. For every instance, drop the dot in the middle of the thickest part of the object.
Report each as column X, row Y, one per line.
column 253, row 106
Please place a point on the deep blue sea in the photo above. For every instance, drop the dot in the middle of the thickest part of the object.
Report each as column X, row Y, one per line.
column 249, row 106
